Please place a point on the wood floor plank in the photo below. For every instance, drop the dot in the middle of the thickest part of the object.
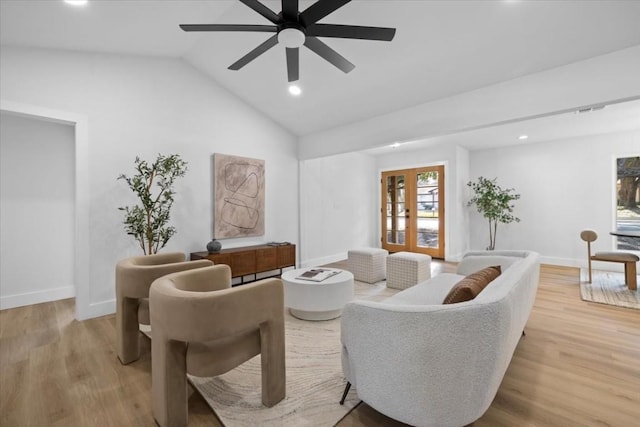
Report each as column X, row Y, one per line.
column 577, row 365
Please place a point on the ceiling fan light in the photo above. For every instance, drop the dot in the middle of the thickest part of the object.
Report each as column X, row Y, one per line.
column 76, row 2
column 291, row 37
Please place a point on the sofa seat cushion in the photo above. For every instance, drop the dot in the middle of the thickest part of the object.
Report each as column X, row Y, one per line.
column 430, row 292
column 469, row 287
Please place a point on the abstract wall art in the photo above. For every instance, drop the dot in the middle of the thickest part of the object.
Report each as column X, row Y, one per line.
column 238, row 196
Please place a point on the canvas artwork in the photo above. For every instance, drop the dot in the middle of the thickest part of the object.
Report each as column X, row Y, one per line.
column 238, row 196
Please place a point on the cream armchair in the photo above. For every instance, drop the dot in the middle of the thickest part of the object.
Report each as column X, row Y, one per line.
column 133, row 279
column 204, row 327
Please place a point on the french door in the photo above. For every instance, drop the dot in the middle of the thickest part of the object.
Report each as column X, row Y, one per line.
column 413, row 210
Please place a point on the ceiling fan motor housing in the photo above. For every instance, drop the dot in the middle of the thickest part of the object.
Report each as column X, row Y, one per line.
column 291, row 34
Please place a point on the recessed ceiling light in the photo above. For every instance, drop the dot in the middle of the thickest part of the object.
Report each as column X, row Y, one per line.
column 523, row 137
column 395, row 145
column 76, row 2
column 295, row 90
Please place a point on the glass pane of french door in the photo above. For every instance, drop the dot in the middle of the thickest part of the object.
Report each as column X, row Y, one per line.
column 395, row 207
column 427, row 204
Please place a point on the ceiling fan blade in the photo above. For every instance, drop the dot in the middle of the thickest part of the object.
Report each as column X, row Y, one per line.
column 262, row 48
column 290, row 10
column 319, row 10
column 329, row 54
column 293, row 64
column 351, row 32
column 262, row 10
column 229, row 27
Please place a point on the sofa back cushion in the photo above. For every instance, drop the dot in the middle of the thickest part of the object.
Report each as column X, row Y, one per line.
column 469, row 287
column 471, row 264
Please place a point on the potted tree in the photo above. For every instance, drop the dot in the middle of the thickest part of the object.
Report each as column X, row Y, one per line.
column 148, row 221
column 494, row 203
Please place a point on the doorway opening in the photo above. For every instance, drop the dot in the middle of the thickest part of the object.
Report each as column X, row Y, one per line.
column 84, row 309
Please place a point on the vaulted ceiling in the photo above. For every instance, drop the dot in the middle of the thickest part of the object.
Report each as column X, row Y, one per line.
column 441, row 48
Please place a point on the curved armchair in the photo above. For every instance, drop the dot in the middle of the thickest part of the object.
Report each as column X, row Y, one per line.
column 204, row 327
column 133, row 278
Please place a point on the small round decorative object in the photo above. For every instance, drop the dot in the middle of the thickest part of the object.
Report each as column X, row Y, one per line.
column 214, row 246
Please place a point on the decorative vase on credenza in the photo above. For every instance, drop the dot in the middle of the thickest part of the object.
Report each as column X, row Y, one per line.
column 214, row 246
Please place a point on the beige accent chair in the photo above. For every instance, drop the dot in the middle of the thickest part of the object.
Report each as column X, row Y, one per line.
column 133, row 279
column 627, row 258
column 204, row 327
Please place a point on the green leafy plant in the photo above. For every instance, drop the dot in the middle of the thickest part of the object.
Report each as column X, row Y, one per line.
column 494, row 203
column 148, row 221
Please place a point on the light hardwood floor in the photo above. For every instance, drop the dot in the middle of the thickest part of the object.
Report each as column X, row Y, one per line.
column 578, row 365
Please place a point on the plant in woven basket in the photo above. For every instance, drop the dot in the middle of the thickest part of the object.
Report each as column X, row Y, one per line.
column 494, row 203
column 148, row 222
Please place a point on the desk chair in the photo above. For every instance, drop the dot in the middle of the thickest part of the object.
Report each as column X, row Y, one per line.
column 627, row 258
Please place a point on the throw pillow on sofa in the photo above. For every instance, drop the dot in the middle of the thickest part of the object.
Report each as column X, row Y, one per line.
column 469, row 287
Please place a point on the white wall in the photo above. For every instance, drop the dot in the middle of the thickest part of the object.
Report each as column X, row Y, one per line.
column 338, row 201
column 565, row 187
column 36, row 211
column 145, row 106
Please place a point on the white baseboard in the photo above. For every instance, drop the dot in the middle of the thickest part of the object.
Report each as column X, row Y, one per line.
column 454, row 257
column 582, row 263
column 566, row 262
column 96, row 309
column 323, row 260
column 36, row 297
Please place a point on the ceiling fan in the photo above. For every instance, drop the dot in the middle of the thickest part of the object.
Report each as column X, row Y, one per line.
column 294, row 29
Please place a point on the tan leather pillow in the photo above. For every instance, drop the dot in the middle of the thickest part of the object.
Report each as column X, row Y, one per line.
column 469, row 287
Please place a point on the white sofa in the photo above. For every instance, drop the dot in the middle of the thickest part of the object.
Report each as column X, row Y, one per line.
column 427, row 364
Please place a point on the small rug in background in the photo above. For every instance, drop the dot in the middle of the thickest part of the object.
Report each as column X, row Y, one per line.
column 314, row 378
column 608, row 288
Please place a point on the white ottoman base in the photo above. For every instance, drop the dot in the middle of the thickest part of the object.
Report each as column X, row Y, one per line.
column 315, row 315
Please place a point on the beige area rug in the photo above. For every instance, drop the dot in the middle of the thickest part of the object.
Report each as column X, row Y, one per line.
column 608, row 288
column 314, row 378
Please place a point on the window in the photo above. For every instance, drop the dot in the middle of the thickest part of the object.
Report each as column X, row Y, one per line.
column 628, row 201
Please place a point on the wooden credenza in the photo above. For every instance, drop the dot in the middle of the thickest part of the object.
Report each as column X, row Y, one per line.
column 250, row 260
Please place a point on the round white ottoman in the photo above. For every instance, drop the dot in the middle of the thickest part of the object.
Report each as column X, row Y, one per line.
column 310, row 300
